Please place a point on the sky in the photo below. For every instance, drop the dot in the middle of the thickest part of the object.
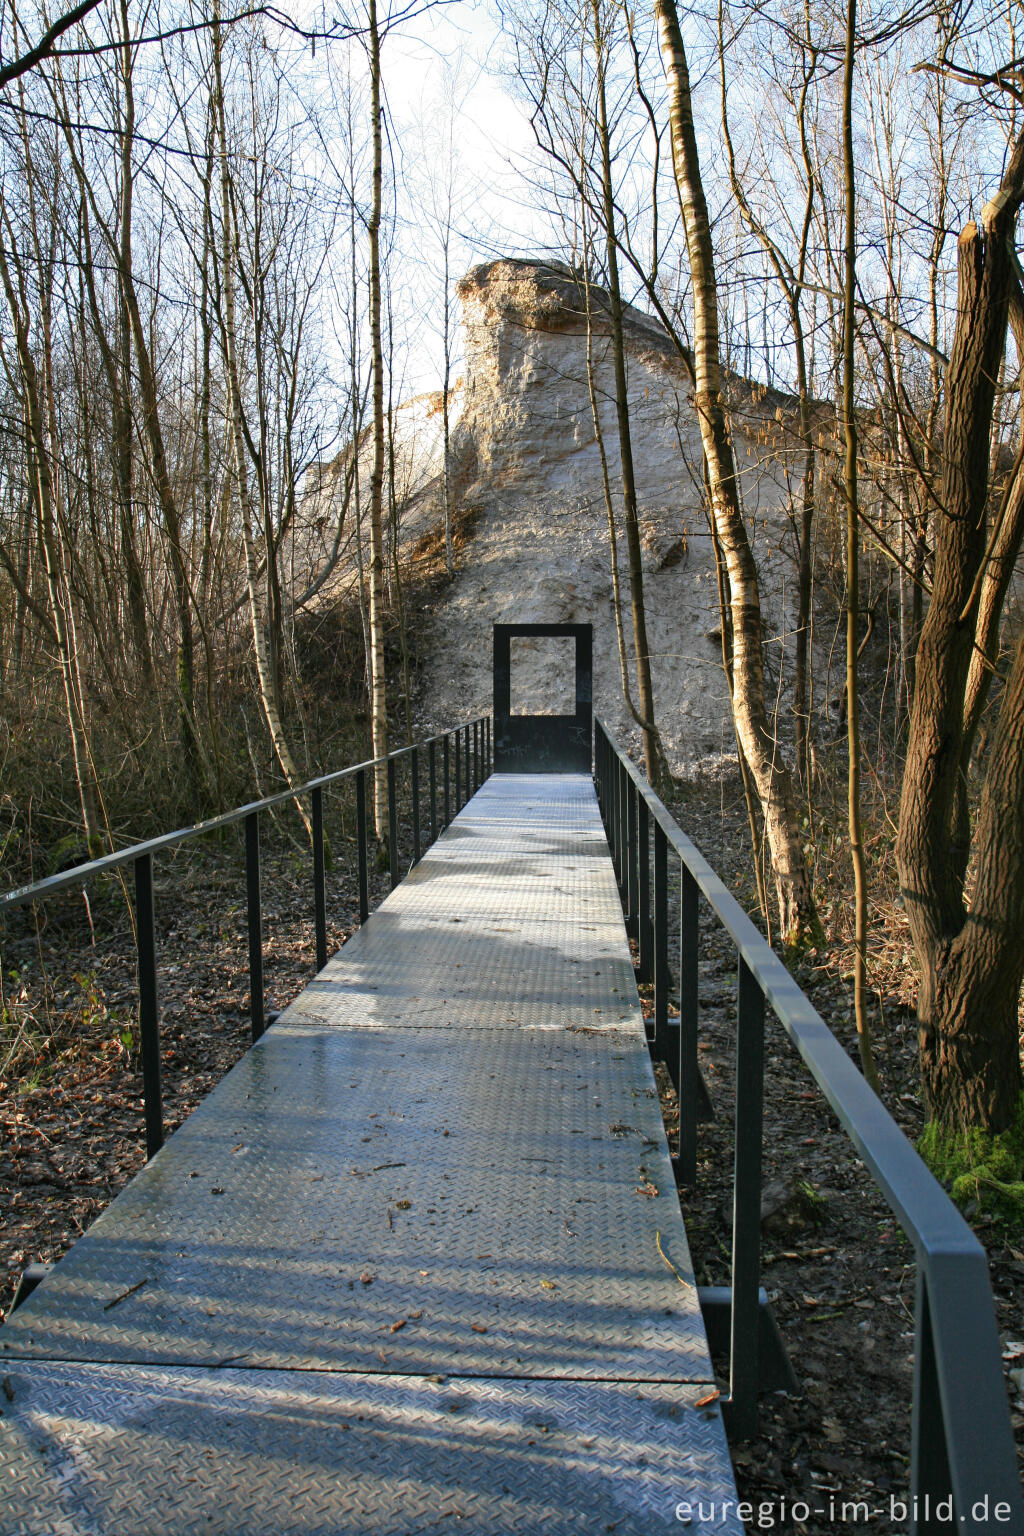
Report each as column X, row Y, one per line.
column 455, row 51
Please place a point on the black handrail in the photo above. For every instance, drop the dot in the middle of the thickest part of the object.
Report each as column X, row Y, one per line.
column 962, row 1447
column 140, row 856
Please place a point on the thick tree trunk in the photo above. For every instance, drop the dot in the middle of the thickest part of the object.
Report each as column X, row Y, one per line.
column 767, row 766
column 971, row 961
column 968, row 1005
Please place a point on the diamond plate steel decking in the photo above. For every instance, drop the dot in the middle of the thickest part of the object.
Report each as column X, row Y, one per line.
column 400, row 1271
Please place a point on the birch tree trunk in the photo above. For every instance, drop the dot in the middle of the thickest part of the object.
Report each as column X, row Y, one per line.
column 378, row 680
column 771, row 775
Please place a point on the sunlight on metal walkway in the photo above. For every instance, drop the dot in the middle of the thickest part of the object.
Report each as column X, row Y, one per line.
column 399, row 1273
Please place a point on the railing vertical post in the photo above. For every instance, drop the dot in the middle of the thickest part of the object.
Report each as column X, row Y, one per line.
column 624, row 834
column 446, row 756
column 466, row 734
column 490, row 749
column 432, row 785
column 476, row 756
column 364, row 880
column 458, row 772
column 661, row 971
column 632, row 868
column 612, row 812
column 392, row 824
column 645, row 935
column 689, row 912
column 617, row 819
column 319, row 884
column 254, row 908
column 149, row 1012
column 930, row 1479
column 746, row 1208
column 414, row 772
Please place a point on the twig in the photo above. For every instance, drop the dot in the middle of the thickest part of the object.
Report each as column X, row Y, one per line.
column 125, row 1294
column 668, row 1261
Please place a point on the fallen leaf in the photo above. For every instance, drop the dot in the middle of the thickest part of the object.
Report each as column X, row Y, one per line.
column 478, row 1327
column 711, row 1397
column 395, row 1327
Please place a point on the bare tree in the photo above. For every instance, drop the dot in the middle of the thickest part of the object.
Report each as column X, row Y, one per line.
column 761, row 750
column 378, row 680
column 855, row 819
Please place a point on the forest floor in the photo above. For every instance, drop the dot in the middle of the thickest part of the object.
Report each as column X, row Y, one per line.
column 838, row 1271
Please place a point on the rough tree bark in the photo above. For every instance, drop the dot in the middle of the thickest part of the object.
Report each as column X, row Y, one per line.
column 770, row 773
column 971, row 957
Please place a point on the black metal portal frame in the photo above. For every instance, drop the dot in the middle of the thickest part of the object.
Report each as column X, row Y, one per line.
column 457, row 763
column 542, row 743
column 962, row 1460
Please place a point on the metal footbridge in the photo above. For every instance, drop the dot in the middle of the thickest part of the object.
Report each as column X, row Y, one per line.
column 417, row 1264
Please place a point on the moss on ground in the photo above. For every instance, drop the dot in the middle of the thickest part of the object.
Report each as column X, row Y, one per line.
column 977, row 1166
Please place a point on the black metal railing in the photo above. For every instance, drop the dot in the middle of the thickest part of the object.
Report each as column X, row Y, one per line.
column 467, row 749
column 962, row 1447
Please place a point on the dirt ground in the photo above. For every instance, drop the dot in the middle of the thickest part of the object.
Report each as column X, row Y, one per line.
column 838, row 1271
